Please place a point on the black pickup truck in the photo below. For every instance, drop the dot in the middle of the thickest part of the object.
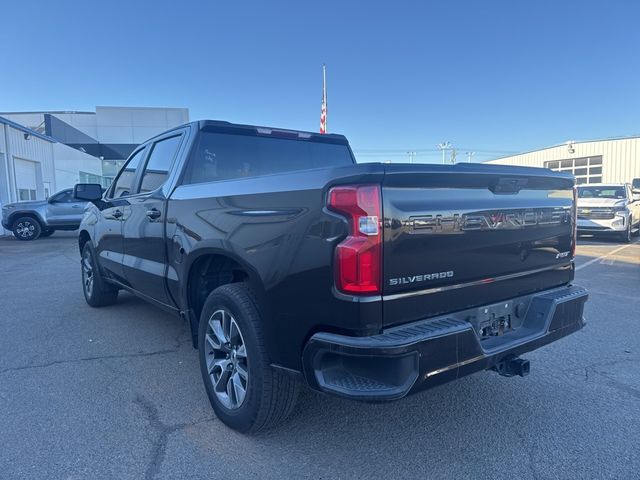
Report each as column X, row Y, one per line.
column 291, row 262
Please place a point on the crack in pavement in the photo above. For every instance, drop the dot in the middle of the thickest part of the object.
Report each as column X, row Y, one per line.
column 178, row 342
column 531, row 464
column 611, row 381
column 595, row 369
column 618, row 385
column 89, row 359
column 604, row 363
column 162, row 434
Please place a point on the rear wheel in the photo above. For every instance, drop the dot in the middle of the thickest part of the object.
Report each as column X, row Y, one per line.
column 26, row 228
column 246, row 393
column 97, row 292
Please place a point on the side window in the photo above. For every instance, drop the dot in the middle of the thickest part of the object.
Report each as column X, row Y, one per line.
column 160, row 159
column 123, row 185
column 222, row 156
column 65, row 196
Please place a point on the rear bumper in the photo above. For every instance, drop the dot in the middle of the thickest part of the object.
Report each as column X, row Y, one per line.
column 427, row 353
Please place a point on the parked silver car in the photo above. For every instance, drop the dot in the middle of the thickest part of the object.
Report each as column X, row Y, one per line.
column 609, row 209
column 32, row 219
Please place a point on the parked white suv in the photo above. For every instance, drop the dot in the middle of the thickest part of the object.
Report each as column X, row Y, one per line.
column 609, row 208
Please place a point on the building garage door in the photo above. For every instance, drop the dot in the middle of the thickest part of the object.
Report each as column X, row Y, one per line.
column 585, row 169
column 26, row 179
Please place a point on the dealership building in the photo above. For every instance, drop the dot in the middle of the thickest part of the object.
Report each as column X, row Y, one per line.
column 42, row 153
column 615, row 160
column 33, row 165
column 109, row 133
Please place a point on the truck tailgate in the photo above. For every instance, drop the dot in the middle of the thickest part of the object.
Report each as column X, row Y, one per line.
column 466, row 235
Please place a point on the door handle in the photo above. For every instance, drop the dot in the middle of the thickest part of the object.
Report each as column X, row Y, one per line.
column 117, row 214
column 75, row 206
column 153, row 213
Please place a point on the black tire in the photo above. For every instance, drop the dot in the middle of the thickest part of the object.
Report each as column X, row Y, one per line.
column 46, row 232
column 26, row 228
column 270, row 394
column 97, row 292
column 626, row 235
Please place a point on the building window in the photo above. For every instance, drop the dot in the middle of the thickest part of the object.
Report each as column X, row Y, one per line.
column 91, row 178
column 110, row 168
column 585, row 169
column 25, row 194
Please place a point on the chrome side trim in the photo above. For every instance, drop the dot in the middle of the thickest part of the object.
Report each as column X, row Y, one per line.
column 483, row 281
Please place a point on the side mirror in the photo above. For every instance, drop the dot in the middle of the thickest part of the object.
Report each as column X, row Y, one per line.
column 88, row 191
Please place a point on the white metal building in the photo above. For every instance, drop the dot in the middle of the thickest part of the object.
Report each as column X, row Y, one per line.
column 109, row 133
column 34, row 166
column 614, row 160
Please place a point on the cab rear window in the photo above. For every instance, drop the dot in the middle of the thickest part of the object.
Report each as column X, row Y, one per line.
column 222, row 156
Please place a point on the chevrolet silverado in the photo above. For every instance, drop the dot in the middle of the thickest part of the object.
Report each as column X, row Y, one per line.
column 290, row 262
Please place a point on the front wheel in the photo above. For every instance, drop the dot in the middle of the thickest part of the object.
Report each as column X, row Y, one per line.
column 246, row 393
column 26, row 228
column 626, row 235
column 97, row 292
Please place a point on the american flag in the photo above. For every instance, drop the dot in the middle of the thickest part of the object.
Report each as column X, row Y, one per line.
column 323, row 110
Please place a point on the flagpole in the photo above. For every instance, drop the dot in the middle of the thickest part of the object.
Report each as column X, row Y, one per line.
column 324, row 92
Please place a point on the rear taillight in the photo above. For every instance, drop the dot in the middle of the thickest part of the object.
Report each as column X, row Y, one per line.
column 574, row 215
column 358, row 262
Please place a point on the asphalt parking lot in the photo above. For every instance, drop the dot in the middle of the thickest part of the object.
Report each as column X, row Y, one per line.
column 116, row 393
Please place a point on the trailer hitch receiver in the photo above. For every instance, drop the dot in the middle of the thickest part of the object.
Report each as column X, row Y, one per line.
column 511, row 366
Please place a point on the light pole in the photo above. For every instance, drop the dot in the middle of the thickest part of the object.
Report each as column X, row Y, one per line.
column 444, row 146
column 469, row 155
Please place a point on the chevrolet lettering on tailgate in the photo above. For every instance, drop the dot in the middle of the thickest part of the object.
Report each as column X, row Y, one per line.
column 489, row 220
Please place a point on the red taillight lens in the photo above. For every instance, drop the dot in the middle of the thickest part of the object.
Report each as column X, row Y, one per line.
column 359, row 256
column 574, row 212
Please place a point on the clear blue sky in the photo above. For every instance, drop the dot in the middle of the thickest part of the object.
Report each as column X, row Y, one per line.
column 487, row 75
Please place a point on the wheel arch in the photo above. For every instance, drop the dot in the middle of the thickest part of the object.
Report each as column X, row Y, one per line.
column 208, row 269
column 83, row 238
column 26, row 213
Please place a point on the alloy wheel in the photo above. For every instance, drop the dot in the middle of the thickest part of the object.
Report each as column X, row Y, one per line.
column 226, row 358
column 25, row 229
